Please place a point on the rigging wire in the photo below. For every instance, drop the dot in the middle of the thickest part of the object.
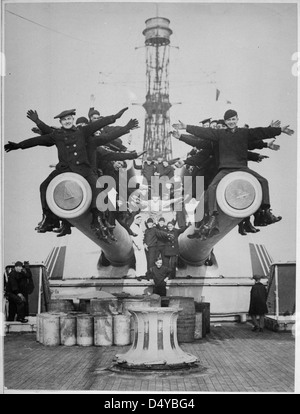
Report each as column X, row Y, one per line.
column 49, row 28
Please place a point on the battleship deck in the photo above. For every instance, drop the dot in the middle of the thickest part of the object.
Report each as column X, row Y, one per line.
column 232, row 359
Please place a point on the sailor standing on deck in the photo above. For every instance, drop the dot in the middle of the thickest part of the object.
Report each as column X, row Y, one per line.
column 71, row 144
column 258, row 305
column 18, row 286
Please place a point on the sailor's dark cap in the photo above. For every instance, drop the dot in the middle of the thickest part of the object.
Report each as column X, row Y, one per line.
column 205, row 121
column 94, row 112
column 66, row 113
column 82, row 120
column 229, row 114
column 117, row 145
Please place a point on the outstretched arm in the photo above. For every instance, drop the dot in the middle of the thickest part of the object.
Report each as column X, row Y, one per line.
column 117, row 156
column 33, row 116
column 102, row 122
column 255, row 156
column 261, row 144
column 116, row 133
column 45, row 141
column 204, row 133
column 191, row 140
column 268, row 132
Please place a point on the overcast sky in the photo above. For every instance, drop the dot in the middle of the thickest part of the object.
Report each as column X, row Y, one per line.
column 57, row 55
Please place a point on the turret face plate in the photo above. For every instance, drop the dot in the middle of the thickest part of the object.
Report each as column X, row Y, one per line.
column 68, row 195
column 240, row 194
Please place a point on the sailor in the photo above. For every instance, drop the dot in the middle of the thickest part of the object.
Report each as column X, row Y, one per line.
column 159, row 166
column 167, row 171
column 205, row 163
column 81, row 121
column 160, row 275
column 213, row 123
column 258, row 304
column 221, row 124
column 172, row 247
column 205, row 123
column 71, row 144
column 95, row 142
column 161, row 243
column 18, row 287
column 148, row 170
column 233, row 146
column 109, row 163
column 151, row 236
column 94, row 115
column 65, row 226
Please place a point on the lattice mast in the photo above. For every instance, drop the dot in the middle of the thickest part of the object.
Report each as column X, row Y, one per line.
column 157, row 141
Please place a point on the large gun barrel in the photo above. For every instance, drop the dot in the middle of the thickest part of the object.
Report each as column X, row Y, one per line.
column 69, row 197
column 239, row 195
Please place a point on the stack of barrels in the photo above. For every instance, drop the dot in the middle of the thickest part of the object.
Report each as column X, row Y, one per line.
column 99, row 322
column 107, row 321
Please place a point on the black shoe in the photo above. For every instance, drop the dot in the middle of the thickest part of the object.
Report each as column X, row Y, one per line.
column 64, row 230
column 40, row 223
column 249, row 228
column 259, row 220
column 22, row 320
column 255, row 328
column 242, row 230
column 269, row 217
column 48, row 224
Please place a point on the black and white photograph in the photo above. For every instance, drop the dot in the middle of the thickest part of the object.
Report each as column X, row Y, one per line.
column 149, row 199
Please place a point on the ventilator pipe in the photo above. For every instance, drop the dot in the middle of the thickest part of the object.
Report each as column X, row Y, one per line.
column 239, row 195
column 69, row 197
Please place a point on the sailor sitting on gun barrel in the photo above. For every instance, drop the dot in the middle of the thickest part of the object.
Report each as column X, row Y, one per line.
column 233, row 146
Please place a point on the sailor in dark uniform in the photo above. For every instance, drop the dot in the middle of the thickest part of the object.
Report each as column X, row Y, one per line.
column 233, row 148
column 172, row 247
column 160, row 275
column 18, row 287
column 205, row 123
column 71, row 143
